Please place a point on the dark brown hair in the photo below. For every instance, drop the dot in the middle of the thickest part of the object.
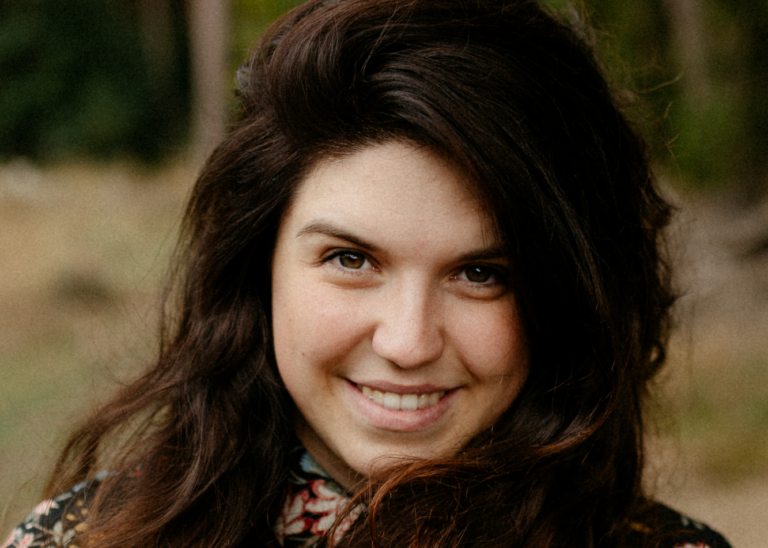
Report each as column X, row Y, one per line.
column 516, row 100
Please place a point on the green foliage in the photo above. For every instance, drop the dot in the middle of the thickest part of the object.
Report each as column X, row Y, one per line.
column 715, row 137
column 251, row 18
column 708, row 147
column 75, row 82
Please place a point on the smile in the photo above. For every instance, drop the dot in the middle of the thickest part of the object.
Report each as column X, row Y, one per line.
column 402, row 402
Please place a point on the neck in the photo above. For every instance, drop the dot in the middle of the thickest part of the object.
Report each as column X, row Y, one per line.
column 331, row 462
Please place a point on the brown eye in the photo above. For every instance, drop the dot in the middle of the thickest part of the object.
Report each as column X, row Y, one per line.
column 478, row 274
column 352, row 261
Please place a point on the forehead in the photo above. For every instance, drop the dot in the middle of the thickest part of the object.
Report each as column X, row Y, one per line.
column 409, row 190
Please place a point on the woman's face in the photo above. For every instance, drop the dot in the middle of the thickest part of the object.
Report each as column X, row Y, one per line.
column 395, row 331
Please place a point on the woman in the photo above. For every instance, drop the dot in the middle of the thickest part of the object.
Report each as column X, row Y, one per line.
column 420, row 303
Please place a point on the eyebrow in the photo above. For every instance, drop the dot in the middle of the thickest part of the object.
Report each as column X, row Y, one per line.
column 335, row 231
column 330, row 229
column 488, row 254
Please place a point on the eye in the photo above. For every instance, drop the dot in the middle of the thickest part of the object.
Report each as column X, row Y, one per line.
column 479, row 274
column 349, row 260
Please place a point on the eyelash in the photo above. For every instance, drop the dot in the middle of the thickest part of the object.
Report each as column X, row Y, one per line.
column 497, row 277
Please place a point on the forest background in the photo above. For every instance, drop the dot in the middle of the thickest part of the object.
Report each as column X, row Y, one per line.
column 108, row 106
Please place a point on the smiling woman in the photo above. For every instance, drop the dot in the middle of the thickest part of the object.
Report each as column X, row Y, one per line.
column 395, row 329
column 420, row 302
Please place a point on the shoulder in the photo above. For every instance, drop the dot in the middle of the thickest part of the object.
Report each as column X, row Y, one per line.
column 658, row 526
column 54, row 522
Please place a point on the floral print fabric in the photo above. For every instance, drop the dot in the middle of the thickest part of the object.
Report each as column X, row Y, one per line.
column 312, row 506
column 55, row 522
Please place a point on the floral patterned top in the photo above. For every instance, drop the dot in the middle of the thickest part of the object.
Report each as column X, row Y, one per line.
column 313, row 504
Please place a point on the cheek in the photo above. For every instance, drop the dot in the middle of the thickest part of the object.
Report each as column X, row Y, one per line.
column 491, row 342
column 314, row 327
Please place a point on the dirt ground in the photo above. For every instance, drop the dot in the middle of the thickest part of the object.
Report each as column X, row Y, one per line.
column 83, row 253
column 738, row 510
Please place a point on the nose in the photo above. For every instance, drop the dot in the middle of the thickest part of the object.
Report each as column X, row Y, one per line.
column 409, row 332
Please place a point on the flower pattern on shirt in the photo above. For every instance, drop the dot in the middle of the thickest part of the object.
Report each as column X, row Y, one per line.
column 313, row 505
column 56, row 521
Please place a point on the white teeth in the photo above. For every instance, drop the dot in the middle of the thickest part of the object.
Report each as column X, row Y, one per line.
column 404, row 402
column 391, row 401
column 409, row 402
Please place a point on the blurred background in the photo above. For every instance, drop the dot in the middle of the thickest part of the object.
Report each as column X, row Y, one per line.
column 107, row 108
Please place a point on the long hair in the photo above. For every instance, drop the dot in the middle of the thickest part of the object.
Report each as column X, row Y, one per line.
column 517, row 102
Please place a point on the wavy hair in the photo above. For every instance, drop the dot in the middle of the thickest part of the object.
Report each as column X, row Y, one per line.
column 517, row 101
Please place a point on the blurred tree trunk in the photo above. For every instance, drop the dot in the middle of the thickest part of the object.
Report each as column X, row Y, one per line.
column 686, row 21
column 208, row 23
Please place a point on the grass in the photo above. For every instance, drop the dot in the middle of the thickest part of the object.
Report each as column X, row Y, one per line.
column 719, row 410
